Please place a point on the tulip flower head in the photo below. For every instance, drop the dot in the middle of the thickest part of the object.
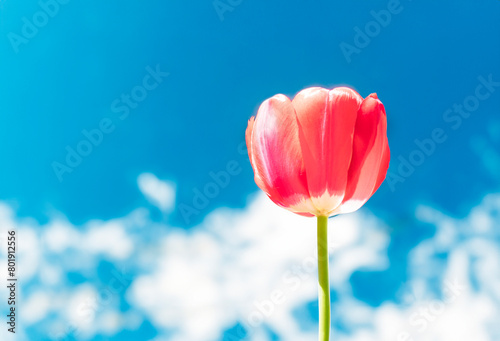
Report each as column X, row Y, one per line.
column 321, row 154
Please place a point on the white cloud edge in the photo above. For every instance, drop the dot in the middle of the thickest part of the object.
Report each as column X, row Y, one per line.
column 235, row 243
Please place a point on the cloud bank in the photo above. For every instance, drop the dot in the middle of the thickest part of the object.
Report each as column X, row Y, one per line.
column 251, row 274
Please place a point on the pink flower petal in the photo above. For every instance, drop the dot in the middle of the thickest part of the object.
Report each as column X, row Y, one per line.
column 326, row 126
column 370, row 158
column 275, row 154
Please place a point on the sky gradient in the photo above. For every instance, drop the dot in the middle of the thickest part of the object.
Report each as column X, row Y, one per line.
column 115, row 116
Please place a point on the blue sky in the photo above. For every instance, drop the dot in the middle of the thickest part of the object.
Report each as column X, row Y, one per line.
column 66, row 77
column 68, row 74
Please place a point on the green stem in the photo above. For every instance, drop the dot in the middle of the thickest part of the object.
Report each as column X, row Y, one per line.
column 323, row 280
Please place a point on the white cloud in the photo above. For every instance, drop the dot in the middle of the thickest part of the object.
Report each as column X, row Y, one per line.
column 159, row 193
column 228, row 269
column 36, row 307
column 108, row 238
column 61, row 235
column 194, row 284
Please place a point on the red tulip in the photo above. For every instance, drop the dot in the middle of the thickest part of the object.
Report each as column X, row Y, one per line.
column 321, row 154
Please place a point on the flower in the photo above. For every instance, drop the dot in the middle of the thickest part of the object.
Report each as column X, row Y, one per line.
column 321, row 154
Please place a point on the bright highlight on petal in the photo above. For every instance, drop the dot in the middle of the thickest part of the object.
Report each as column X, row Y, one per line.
column 323, row 153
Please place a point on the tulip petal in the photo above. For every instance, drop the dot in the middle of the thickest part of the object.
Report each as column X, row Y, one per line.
column 257, row 174
column 384, row 165
column 276, row 156
column 326, row 128
column 370, row 158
